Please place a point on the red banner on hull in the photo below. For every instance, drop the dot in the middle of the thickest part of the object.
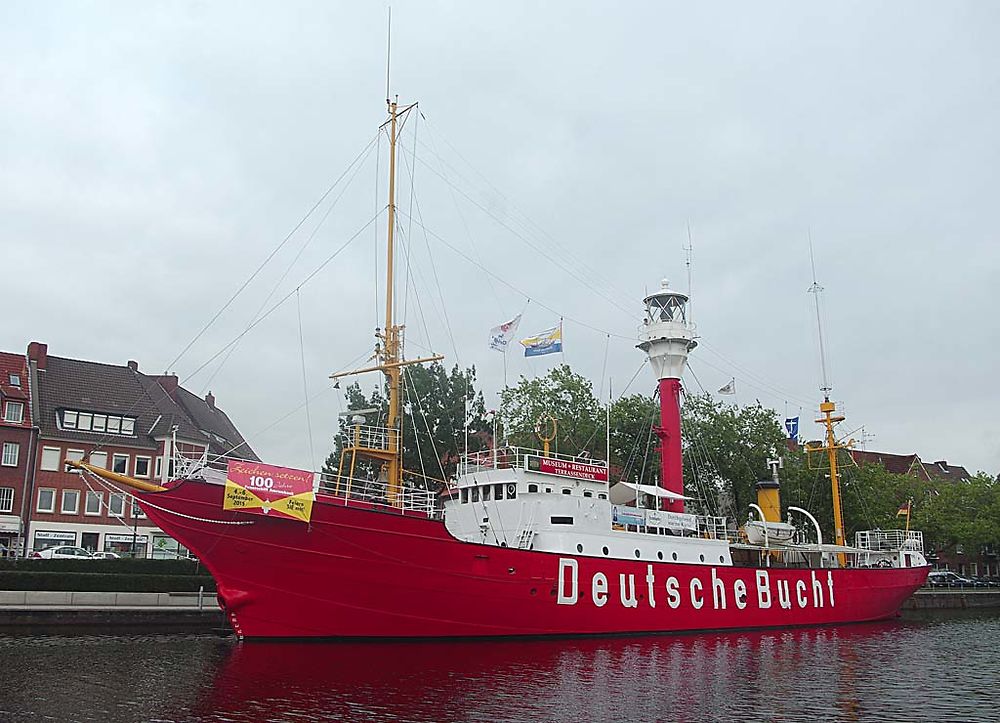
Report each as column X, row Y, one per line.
column 264, row 489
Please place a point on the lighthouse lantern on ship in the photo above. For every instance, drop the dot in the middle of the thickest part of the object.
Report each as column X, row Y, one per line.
column 667, row 335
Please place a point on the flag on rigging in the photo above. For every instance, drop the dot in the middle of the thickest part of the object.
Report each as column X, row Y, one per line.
column 500, row 336
column 792, row 428
column 546, row 342
column 729, row 388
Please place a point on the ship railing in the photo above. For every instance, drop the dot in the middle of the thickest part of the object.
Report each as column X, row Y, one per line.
column 890, row 540
column 713, row 528
column 510, row 457
column 375, row 492
column 367, row 436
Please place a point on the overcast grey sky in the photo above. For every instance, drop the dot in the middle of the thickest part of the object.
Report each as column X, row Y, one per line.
column 152, row 155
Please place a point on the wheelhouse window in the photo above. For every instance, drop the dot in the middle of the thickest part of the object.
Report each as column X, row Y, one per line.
column 532, row 488
column 602, row 496
column 465, row 495
column 498, row 491
column 14, row 412
column 487, row 493
column 561, row 520
column 475, row 494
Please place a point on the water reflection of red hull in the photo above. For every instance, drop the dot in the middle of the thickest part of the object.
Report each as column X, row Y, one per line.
column 711, row 676
column 356, row 572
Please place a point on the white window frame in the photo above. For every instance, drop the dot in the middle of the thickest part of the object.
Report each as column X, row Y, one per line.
column 76, row 507
column 47, row 465
column 6, row 499
column 38, row 505
column 77, row 456
column 7, row 417
column 11, row 454
column 116, row 499
column 114, row 462
column 91, row 495
column 149, row 466
column 158, row 468
column 99, row 459
column 137, row 512
column 14, row 380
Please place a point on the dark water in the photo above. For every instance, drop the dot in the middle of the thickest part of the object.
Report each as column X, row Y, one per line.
column 944, row 667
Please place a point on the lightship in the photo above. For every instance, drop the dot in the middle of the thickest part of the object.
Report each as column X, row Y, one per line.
column 524, row 542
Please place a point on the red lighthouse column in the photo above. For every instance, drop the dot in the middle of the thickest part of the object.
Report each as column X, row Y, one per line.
column 667, row 337
column 671, row 463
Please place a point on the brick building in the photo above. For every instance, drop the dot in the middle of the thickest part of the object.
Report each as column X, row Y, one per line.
column 17, row 438
column 120, row 419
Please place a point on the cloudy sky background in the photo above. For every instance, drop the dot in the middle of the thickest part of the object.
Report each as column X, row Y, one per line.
column 153, row 155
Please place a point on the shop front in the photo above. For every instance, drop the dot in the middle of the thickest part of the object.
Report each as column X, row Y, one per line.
column 127, row 545
column 45, row 539
column 10, row 535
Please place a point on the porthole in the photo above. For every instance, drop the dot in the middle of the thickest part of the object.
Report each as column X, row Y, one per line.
column 579, row 548
column 701, row 557
column 637, row 553
column 534, row 591
column 659, row 554
column 722, row 558
column 604, row 550
column 673, row 555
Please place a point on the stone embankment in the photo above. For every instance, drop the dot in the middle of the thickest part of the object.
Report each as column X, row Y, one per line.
column 145, row 611
column 951, row 599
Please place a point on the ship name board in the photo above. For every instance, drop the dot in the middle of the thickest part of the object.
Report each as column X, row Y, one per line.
column 699, row 592
column 566, row 468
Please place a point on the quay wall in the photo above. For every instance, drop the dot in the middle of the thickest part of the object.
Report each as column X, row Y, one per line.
column 972, row 599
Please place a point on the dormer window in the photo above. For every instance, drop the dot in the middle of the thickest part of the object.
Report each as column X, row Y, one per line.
column 15, row 380
column 97, row 422
column 13, row 412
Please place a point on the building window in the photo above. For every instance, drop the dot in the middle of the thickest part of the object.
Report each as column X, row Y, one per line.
column 46, row 499
column 97, row 422
column 167, row 548
column 77, row 456
column 15, row 380
column 116, row 504
column 136, row 510
column 70, row 502
column 119, row 463
column 14, row 412
column 158, row 468
column 6, row 499
column 11, row 452
column 92, row 506
column 50, row 458
column 142, row 466
column 99, row 459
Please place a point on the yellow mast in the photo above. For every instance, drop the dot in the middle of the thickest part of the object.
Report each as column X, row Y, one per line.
column 389, row 352
column 827, row 409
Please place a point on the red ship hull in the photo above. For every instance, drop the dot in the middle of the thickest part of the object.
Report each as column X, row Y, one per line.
column 368, row 572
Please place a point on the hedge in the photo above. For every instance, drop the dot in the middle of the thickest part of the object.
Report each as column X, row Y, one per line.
column 102, row 582
column 121, row 566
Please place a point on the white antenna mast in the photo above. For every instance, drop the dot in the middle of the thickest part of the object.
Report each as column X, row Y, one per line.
column 689, row 249
column 816, row 290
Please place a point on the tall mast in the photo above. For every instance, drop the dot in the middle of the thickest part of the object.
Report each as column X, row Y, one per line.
column 829, row 419
column 390, row 340
column 385, row 446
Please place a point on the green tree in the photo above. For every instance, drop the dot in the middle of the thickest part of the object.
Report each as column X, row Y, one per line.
column 433, row 407
column 965, row 512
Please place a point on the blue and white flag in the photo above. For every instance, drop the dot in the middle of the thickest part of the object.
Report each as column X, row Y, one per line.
column 792, row 427
column 546, row 342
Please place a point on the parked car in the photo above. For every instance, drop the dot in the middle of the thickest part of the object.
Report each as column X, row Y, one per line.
column 63, row 552
column 105, row 555
column 947, row 578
